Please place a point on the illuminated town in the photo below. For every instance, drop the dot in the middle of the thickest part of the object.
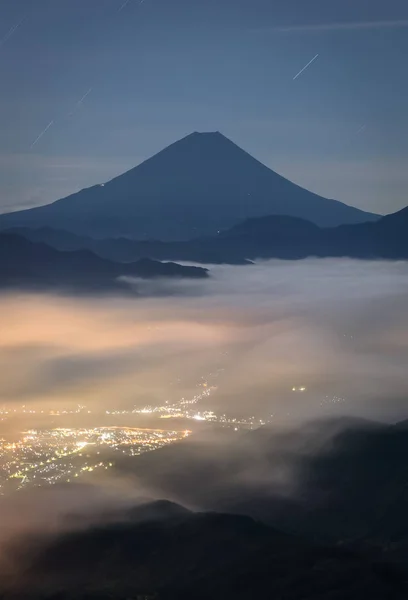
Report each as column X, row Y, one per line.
column 67, row 450
column 38, row 457
column 61, row 455
column 187, row 409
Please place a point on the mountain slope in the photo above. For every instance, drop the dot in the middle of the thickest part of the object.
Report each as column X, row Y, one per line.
column 26, row 264
column 197, row 555
column 351, row 479
column 197, row 186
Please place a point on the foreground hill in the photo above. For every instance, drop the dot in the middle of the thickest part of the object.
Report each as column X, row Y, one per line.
column 275, row 236
column 197, row 186
column 351, row 480
column 24, row 264
column 169, row 553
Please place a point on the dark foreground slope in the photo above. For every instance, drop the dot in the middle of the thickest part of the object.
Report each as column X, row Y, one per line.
column 183, row 555
column 275, row 236
column 24, row 264
column 351, row 480
column 197, row 186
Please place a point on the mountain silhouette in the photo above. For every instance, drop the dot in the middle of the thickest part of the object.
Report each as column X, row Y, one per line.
column 186, row 555
column 291, row 238
column 351, row 479
column 199, row 185
column 24, row 264
column 274, row 236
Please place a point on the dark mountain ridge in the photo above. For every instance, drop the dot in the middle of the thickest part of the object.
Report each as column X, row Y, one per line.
column 351, row 480
column 197, row 186
column 25, row 264
column 273, row 236
column 197, row 555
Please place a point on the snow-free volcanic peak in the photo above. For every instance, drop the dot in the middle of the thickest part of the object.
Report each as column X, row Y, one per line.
column 197, row 186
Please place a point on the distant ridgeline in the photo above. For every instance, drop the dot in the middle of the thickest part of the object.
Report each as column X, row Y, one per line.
column 264, row 237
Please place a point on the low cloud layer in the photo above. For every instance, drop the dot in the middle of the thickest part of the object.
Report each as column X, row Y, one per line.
column 338, row 328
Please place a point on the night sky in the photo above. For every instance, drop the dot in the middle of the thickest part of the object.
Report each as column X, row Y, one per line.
column 157, row 70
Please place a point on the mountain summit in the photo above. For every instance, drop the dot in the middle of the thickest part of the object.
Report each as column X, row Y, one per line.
column 199, row 185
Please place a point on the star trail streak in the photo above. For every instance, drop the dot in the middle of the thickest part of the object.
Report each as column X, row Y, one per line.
column 305, row 67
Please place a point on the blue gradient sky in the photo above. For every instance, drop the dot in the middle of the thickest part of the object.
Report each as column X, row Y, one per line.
column 161, row 69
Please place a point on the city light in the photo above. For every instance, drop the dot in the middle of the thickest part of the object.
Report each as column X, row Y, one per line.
column 55, row 455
